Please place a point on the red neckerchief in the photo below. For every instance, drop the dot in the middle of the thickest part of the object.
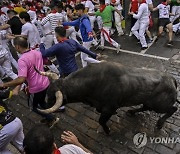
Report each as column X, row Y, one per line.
column 102, row 7
column 1, row 13
column 164, row 3
column 56, row 151
column 53, row 11
column 63, row 39
column 113, row 1
column 32, row 9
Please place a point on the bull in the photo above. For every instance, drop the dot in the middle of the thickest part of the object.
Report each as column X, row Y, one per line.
column 109, row 86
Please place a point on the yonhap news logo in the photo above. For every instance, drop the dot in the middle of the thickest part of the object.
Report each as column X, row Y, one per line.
column 140, row 140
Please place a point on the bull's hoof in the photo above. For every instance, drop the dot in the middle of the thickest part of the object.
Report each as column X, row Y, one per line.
column 130, row 113
column 107, row 130
column 159, row 125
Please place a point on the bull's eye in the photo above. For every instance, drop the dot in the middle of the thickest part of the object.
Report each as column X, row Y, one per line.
column 46, row 99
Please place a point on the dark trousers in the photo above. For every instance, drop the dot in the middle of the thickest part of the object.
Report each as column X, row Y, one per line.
column 38, row 101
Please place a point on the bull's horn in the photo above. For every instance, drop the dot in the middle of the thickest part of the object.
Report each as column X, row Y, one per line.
column 48, row 74
column 57, row 105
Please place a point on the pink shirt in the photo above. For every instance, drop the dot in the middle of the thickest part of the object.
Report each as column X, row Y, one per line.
column 26, row 63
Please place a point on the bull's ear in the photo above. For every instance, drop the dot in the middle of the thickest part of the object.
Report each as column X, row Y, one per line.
column 51, row 75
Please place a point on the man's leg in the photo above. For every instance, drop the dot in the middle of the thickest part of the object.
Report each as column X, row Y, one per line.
column 108, row 38
column 19, row 137
column 39, row 101
column 135, row 29
column 142, row 29
column 6, row 65
column 169, row 27
column 8, row 133
column 85, row 58
column 118, row 24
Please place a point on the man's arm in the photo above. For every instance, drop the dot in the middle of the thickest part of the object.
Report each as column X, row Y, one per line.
column 4, row 27
column 83, row 49
column 155, row 9
column 48, row 52
column 72, row 23
column 15, row 82
column 45, row 20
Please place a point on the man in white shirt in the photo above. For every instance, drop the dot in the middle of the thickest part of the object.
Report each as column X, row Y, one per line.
column 29, row 30
column 118, row 18
column 164, row 21
column 31, row 11
column 43, row 138
column 142, row 23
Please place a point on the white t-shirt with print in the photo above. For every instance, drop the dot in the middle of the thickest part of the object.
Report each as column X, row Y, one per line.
column 71, row 149
column 118, row 5
column 163, row 10
column 32, row 34
column 149, row 2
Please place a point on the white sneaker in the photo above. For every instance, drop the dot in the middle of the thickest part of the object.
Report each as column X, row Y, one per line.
column 130, row 34
column 118, row 48
column 121, row 34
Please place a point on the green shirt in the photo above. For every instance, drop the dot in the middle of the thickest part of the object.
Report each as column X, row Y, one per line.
column 175, row 3
column 106, row 15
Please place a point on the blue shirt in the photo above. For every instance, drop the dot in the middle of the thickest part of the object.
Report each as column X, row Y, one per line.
column 65, row 54
column 84, row 25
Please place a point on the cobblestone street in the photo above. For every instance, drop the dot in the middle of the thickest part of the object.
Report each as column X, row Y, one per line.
column 83, row 120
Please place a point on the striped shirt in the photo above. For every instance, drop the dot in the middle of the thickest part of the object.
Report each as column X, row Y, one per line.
column 54, row 19
column 3, row 50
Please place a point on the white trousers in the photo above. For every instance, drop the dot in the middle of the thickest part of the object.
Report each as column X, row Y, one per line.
column 138, row 30
column 118, row 22
column 105, row 35
column 12, row 132
column 48, row 41
column 6, row 66
column 85, row 59
column 176, row 12
column 176, row 27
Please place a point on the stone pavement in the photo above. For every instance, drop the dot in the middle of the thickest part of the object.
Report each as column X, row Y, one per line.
column 83, row 120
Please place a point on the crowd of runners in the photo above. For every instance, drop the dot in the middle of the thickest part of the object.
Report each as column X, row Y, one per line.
column 33, row 32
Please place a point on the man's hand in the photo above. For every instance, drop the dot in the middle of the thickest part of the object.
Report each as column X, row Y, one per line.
column 15, row 91
column 10, row 36
column 2, row 86
column 90, row 35
column 69, row 137
column 131, row 13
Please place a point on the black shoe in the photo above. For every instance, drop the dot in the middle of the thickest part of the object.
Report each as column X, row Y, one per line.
column 144, row 48
column 169, row 44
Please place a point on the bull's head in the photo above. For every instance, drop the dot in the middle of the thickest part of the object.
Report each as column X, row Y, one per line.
column 53, row 95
